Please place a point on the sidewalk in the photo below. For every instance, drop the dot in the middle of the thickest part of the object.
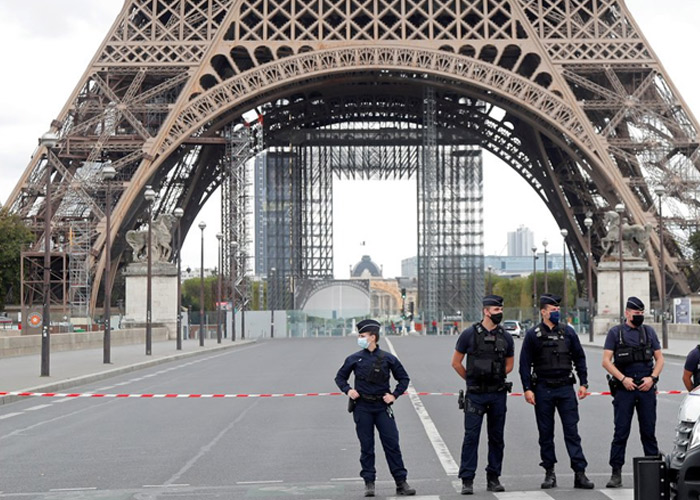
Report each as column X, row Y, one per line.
column 677, row 348
column 72, row 368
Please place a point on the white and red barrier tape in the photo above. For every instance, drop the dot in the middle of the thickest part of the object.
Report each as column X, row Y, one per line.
column 231, row 396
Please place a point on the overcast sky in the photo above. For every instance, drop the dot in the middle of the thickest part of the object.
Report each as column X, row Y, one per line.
column 48, row 44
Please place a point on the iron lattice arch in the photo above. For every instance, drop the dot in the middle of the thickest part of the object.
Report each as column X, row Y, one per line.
column 591, row 118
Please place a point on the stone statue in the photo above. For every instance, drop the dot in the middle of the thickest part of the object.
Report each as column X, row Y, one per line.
column 160, row 240
column 634, row 236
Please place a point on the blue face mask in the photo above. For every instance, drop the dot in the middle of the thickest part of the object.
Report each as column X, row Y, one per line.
column 363, row 342
column 554, row 317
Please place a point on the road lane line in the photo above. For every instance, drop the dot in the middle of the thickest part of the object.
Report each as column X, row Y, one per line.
column 443, row 453
column 3, row 417
column 87, row 488
column 164, row 485
column 524, row 495
column 37, row 407
column 623, row 494
column 272, row 481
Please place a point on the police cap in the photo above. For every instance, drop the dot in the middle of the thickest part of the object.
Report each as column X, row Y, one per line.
column 549, row 299
column 368, row 326
column 635, row 304
column 492, row 300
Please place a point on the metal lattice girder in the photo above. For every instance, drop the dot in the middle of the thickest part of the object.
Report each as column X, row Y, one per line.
column 591, row 117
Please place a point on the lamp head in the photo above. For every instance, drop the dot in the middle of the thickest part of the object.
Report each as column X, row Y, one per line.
column 202, row 225
column 588, row 222
column 178, row 213
column 149, row 194
column 660, row 191
column 619, row 208
column 49, row 139
column 108, row 172
column 534, row 249
column 544, row 244
column 564, row 233
column 219, row 236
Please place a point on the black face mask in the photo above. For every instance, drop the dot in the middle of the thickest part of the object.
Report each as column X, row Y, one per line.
column 637, row 319
column 496, row 318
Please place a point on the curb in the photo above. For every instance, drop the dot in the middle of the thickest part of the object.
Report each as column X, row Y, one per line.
column 94, row 377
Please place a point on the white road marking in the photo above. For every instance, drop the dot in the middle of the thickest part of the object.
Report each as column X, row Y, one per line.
column 525, row 495
column 443, row 453
column 88, row 488
column 38, row 407
column 164, row 485
column 260, row 482
column 420, row 497
column 3, row 417
column 622, row 494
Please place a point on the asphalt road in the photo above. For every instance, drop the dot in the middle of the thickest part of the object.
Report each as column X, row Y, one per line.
column 301, row 447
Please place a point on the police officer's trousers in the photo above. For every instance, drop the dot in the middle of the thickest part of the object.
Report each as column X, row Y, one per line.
column 563, row 400
column 367, row 416
column 624, row 404
column 493, row 405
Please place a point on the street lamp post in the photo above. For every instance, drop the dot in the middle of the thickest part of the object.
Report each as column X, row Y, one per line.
column 178, row 213
column 588, row 222
column 234, row 248
column 49, row 141
column 488, row 286
column 534, row 285
column 202, row 225
column 660, row 191
column 546, row 286
column 108, row 173
column 149, row 195
column 271, row 303
column 564, row 234
column 620, row 208
column 219, row 237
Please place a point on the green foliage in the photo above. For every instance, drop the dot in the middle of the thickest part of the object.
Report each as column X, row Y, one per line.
column 694, row 244
column 191, row 292
column 15, row 238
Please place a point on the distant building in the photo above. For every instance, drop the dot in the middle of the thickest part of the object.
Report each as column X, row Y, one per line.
column 409, row 267
column 366, row 268
column 516, row 266
column 520, row 242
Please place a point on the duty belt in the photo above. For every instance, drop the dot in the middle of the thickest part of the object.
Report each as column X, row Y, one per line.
column 373, row 398
column 486, row 388
column 556, row 382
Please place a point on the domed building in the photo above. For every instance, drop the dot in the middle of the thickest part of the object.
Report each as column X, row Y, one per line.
column 385, row 294
column 366, row 269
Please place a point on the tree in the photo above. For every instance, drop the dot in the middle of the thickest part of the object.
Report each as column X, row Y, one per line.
column 16, row 237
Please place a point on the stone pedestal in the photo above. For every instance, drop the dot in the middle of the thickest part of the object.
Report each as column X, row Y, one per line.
column 163, row 296
column 635, row 277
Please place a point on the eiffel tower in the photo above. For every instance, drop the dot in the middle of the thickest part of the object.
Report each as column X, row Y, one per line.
column 567, row 92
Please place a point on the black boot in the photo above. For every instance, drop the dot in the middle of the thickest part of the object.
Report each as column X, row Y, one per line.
column 550, row 479
column 467, row 486
column 492, row 483
column 369, row 489
column 615, row 479
column 582, row 482
column 403, row 489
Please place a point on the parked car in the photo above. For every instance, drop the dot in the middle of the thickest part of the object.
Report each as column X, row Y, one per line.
column 514, row 328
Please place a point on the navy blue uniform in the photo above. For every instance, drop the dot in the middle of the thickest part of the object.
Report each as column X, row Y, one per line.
column 478, row 404
column 371, row 411
column 625, row 402
column 554, row 391
column 692, row 364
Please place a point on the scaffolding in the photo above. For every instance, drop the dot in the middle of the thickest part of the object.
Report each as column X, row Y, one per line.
column 79, row 244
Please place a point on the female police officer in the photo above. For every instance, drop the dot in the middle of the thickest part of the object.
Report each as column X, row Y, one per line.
column 373, row 401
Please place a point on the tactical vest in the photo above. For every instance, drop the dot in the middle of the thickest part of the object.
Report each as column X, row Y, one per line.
column 553, row 352
column 696, row 372
column 626, row 354
column 487, row 364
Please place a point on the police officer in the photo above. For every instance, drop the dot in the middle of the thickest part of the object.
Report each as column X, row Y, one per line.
column 632, row 356
column 373, row 399
column 489, row 351
column 691, row 369
column 549, row 352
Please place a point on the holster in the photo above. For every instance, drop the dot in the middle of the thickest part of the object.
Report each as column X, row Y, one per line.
column 460, row 400
column 352, row 403
column 613, row 384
